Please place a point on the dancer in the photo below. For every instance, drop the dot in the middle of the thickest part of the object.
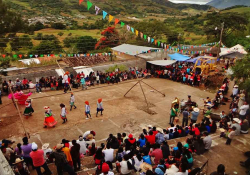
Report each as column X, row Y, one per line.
column 49, row 120
column 87, row 110
column 66, row 81
column 28, row 110
column 99, row 106
column 63, row 113
column 72, row 101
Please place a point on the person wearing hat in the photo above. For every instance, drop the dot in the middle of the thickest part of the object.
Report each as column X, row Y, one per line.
column 194, row 115
column 243, row 111
column 131, row 141
column 82, row 144
column 173, row 114
column 207, row 112
column 49, row 120
column 65, row 81
column 38, row 160
column 63, row 113
column 72, row 101
column 236, row 124
column 87, row 110
column 83, row 82
column 235, row 91
column 159, row 137
column 185, row 114
column 230, row 136
column 28, row 108
column 61, row 161
column 20, row 167
column 99, row 106
column 75, row 154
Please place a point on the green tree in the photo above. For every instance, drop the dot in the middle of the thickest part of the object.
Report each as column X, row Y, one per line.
column 69, row 41
column 60, row 33
column 85, row 44
column 47, row 47
column 38, row 26
column 58, row 25
column 241, row 72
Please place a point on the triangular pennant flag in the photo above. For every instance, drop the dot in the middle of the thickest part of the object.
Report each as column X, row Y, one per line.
column 110, row 18
column 116, row 21
column 31, row 56
column 52, row 55
column 80, row 1
column 136, row 32
column 132, row 30
column 122, row 24
column 89, row 5
column 68, row 55
column 141, row 34
column 4, row 56
column 152, row 40
column 145, row 37
column 159, row 43
column 36, row 56
column 41, row 55
column 20, row 56
column 48, row 55
column 14, row 56
column 128, row 27
column 104, row 14
column 155, row 42
column 149, row 39
column 97, row 9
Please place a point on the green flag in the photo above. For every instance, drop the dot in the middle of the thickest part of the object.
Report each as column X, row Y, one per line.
column 41, row 55
column 145, row 36
column 14, row 56
column 122, row 24
column 159, row 43
column 89, row 5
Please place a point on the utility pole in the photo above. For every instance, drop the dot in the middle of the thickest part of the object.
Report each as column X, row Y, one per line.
column 222, row 28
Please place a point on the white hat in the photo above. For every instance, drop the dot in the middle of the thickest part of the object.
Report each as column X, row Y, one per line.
column 34, row 146
column 159, row 129
column 45, row 146
column 236, row 120
column 18, row 160
column 222, row 130
column 196, row 109
column 150, row 126
column 236, row 86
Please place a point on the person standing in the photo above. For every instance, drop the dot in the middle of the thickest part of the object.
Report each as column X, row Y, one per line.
column 75, row 154
column 185, row 117
column 63, row 113
column 28, row 108
column 82, row 144
column 207, row 141
column 99, row 106
column 83, row 83
column 49, row 120
column 61, row 161
column 195, row 113
column 37, row 157
column 87, row 110
column 173, row 114
column 243, row 111
column 66, row 81
column 27, row 148
column 72, row 102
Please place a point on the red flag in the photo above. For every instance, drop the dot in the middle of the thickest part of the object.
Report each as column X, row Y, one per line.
column 80, row 1
column 116, row 21
column 20, row 56
column 52, row 55
column 4, row 56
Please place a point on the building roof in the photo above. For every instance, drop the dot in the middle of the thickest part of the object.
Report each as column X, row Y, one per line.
column 162, row 62
column 132, row 49
column 178, row 57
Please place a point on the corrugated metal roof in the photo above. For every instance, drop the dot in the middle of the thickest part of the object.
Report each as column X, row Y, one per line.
column 132, row 49
column 162, row 62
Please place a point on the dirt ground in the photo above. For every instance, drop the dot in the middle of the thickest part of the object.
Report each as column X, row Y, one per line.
column 122, row 114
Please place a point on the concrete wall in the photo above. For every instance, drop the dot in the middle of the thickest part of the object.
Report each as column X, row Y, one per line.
column 5, row 168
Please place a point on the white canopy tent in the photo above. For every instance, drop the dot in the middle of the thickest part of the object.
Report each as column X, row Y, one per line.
column 236, row 49
column 132, row 49
column 162, row 62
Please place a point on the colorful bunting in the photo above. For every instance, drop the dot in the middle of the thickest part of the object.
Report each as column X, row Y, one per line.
column 80, row 1
column 4, row 56
column 159, row 43
column 132, row 30
column 89, row 5
column 97, row 9
column 116, row 21
column 104, row 14
column 110, row 18
column 145, row 37
column 141, row 34
column 20, row 56
column 36, row 56
column 122, row 24
column 128, row 27
column 136, row 32
column 149, row 39
column 31, row 56
column 152, row 40
column 155, row 42
column 14, row 56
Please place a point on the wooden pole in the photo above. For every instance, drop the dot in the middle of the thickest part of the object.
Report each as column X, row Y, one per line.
column 153, row 88
column 133, row 87
column 144, row 95
column 19, row 113
column 222, row 29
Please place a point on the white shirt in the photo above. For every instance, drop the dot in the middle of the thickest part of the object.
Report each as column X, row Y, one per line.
column 83, row 148
column 65, row 79
column 181, row 173
column 86, row 133
column 97, row 78
column 137, row 163
column 124, row 167
column 172, row 170
column 87, row 108
column 109, row 173
column 243, row 109
column 63, row 112
column 109, row 154
column 99, row 105
column 235, row 91
column 72, row 99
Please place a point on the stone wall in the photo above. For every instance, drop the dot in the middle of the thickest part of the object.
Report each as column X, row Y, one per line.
column 5, row 168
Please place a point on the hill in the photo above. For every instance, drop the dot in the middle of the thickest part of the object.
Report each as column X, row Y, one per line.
column 222, row 4
column 138, row 8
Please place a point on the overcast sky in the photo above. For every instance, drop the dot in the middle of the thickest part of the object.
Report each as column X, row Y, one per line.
column 191, row 1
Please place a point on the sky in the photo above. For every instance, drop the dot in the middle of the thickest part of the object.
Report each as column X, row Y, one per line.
column 191, row 1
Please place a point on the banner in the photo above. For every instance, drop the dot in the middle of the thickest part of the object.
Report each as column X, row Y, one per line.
column 97, row 9
column 116, row 21
column 122, row 24
column 104, row 14
column 80, row 1
column 89, row 5
column 110, row 18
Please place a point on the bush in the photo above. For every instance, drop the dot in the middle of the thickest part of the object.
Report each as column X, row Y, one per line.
column 60, row 33
column 120, row 67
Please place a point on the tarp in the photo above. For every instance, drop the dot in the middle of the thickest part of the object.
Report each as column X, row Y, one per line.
column 132, row 49
column 84, row 69
column 235, row 49
column 178, row 57
column 193, row 60
column 28, row 61
column 162, row 62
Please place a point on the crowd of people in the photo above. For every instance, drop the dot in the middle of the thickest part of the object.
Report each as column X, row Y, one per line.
column 86, row 60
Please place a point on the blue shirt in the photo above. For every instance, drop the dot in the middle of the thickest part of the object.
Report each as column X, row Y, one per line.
column 208, row 129
column 147, row 159
column 142, row 142
column 171, row 136
column 158, row 171
column 188, row 70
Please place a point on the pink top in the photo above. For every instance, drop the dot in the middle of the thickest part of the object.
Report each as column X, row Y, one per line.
column 37, row 157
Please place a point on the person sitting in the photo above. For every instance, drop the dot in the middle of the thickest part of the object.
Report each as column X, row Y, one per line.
column 244, row 127
column 220, row 170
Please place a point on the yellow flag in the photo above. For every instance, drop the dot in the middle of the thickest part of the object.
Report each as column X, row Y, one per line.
column 136, row 32
column 110, row 18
